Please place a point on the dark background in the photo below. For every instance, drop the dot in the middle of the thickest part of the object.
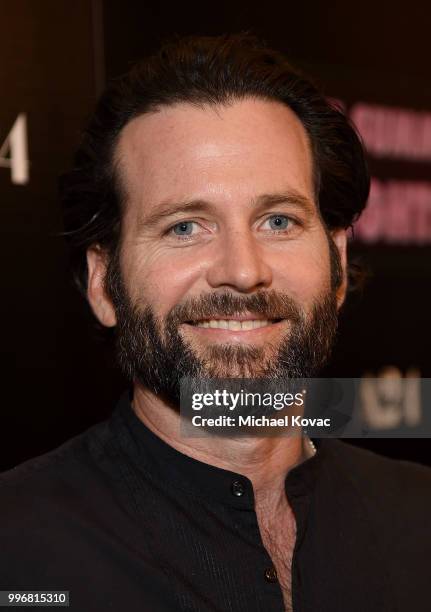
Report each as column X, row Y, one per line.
column 55, row 56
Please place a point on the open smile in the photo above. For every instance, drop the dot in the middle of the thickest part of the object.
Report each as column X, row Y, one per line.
column 237, row 324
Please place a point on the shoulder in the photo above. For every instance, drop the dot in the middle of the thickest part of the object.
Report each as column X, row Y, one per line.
column 49, row 504
column 363, row 463
column 389, row 483
column 66, row 473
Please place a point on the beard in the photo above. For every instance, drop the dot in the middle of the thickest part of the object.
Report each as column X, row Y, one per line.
column 152, row 352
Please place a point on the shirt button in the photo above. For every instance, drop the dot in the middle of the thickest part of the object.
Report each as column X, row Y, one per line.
column 237, row 488
column 271, row 574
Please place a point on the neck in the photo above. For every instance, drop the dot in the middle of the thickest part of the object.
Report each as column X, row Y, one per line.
column 264, row 461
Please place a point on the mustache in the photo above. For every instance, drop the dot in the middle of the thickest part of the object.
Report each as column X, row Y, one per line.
column 268, row 304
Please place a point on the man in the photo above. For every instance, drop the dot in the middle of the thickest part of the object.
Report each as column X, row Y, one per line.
column 207, row 213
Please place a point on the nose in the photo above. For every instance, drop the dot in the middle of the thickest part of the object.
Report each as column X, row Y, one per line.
column 239, row 263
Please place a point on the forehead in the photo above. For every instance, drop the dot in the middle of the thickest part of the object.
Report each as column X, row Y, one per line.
column 224, row 153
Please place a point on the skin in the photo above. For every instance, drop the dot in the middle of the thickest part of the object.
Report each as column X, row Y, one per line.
column 228, row 157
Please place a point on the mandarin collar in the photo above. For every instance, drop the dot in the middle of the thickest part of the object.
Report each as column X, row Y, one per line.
column 208, row 482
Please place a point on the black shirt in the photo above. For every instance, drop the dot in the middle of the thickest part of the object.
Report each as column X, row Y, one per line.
column 125, row 522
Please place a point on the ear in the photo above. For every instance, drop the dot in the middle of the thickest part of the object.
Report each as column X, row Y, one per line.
column 97, row 262
column 339, row 236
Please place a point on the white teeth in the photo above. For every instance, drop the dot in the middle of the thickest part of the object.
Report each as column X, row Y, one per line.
column 233, row 325
column 247, row 324
column 260, row 323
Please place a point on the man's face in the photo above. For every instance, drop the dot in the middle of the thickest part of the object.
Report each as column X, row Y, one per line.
column 225, row 264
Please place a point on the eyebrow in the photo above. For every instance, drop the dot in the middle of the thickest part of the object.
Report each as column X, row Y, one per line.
column 169, row 209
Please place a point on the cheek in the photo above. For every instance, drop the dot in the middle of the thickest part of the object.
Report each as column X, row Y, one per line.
column 305, row 273
column 160, row 279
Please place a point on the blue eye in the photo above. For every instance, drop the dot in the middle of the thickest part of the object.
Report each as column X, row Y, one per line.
column 183, row 229
column 279, row 222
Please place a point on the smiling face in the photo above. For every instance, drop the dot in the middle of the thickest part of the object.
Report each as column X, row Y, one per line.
column 225, row 262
